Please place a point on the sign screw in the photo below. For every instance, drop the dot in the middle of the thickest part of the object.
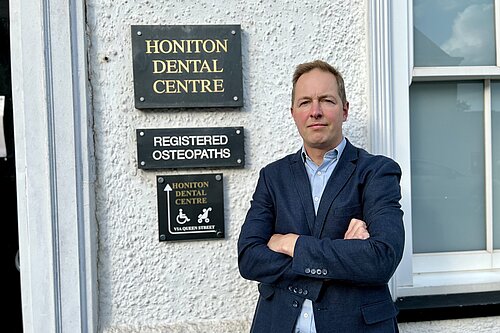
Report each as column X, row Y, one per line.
column 143, row 163
column 235, row 98
column 238, row 131
column 238, row 160
column 218, row 177
column 163, row 237
column 141, row 133
column 219, row 234
column 142, row 99
column 160, row 180
column 233, row 32
column 139, row 33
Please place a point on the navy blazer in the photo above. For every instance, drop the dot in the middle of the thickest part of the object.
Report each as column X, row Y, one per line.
column 345, row 279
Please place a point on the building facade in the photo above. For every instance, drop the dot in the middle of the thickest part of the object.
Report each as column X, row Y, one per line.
column 88, row 214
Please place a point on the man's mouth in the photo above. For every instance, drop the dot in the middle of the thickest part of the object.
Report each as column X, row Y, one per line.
column 316, row 125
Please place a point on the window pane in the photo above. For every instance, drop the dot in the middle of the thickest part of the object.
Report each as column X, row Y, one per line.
column 447, row 166
column 495, row 104
column 454, row 33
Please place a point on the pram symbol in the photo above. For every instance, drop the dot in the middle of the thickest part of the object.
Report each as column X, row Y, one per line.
column 203, row 217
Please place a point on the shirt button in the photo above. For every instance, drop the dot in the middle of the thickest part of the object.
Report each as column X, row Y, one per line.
column 305, row 292
column 295, row 304
column 316, row 198
column 306, row 315
column 319, row 173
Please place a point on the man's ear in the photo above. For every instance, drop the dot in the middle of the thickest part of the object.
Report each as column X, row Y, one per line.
column 345, row 109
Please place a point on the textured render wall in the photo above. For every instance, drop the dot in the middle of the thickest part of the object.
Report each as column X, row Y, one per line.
column 148, row 286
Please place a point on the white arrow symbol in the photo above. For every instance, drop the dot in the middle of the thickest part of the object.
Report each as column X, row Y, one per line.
column 168, row 189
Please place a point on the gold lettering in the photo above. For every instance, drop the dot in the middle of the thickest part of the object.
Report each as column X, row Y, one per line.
column 178, row 66
column 205, row 86
column 169, row 46
column 189, row 185
column 172, row 66
column 170, row 87
column 188, row 86
column 215, row 66
column 178, row 46
column 183, row 66
column 222, row 46
column 149, row 46
column 191, row 201
column 182, row 86
column 155, row 86
column 218, row 85
column 186, row 46
column 205, row 67
column 156, row 66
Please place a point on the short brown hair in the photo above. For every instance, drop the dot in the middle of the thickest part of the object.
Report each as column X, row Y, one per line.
column 321, row 65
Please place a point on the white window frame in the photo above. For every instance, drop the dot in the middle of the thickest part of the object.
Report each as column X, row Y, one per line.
column 392, row 71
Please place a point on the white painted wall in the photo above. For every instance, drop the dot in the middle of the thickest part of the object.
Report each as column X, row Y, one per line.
column 148, row 286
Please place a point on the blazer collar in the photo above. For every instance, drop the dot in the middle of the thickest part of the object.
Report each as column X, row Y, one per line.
column 339, row 178
column 303, row 187
column 343, row 171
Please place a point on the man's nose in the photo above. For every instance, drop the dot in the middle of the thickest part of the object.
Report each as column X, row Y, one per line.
column 316, row 111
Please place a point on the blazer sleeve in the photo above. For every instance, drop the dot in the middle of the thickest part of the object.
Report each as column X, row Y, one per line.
column 364, row 262
column 255, row 260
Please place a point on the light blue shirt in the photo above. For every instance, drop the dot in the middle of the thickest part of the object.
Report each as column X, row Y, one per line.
column 318, row 177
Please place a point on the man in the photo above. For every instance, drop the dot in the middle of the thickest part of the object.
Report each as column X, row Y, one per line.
column 324, row 233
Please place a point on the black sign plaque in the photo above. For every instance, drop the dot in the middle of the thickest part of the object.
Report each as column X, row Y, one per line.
column 190, row 207
column 171, row 148
column 185, row 66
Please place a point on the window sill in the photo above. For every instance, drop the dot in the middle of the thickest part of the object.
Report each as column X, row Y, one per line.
column 445, row 283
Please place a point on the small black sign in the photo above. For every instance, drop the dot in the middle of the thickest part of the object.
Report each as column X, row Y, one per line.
column 190, row 207
column 167, row 148
column 182, row 66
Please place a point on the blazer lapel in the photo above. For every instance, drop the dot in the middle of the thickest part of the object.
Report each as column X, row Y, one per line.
column 303, row 187
column 340, row 176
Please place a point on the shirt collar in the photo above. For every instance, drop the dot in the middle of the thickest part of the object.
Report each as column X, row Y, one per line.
column 337, row 150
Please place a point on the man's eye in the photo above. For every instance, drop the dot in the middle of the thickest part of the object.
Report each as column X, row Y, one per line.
column 303, row 103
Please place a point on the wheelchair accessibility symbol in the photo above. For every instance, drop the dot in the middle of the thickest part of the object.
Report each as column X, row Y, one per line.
column 181, row 217
column 203, row 217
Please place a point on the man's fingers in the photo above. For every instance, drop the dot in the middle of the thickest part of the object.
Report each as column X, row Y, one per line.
column 357, row 230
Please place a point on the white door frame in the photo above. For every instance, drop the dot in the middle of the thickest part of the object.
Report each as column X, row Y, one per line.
column 54, row 166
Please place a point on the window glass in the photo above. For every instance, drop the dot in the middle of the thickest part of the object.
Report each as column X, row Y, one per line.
column 447, row 166
column 495, row 118
column 454, row 33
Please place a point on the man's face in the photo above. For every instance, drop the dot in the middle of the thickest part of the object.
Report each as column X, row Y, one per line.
column 318, row 111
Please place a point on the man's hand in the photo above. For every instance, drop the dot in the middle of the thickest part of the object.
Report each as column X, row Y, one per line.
column 357, row 230
column 286, row 243
column 283, row 243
